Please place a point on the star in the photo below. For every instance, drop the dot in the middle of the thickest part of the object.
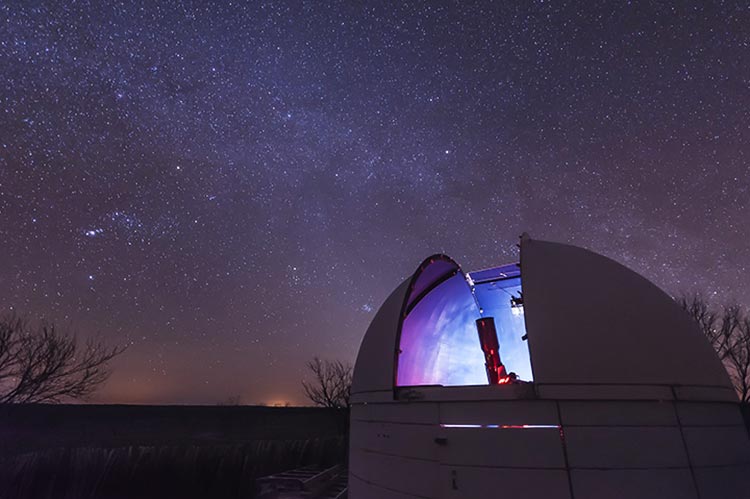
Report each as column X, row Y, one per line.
column 251, row 184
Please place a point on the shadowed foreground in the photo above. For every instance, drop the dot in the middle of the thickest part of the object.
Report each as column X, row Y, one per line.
column 131, row 451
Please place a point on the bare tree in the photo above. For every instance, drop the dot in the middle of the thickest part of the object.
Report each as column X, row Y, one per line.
column 331, row 384
column 696, row 305
column 736, row 328
column 729, row 333
column 43, row 364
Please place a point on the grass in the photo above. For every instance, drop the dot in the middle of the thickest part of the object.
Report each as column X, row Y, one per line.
column 159, row 452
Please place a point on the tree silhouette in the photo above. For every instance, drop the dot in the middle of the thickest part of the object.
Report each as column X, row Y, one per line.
column 728, row 330
column 43, row 364
column 331, row 384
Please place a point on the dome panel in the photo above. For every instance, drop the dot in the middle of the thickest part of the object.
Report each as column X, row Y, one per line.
column 591, row 320
column 373, row 371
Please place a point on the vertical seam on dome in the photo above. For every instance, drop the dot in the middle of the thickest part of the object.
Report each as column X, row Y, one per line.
column 684, row 443
column 564, row 449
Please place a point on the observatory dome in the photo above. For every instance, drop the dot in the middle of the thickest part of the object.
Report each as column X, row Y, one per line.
column 566, row 375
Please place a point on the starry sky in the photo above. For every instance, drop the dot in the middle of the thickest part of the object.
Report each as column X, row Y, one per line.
column 230, row 189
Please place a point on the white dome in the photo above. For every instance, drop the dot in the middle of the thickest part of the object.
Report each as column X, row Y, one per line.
column 567, row 376
column 589, row 320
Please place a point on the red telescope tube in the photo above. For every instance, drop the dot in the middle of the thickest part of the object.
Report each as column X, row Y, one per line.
column 496, row 373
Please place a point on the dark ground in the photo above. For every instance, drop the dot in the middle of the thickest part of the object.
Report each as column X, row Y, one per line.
column 87, row 451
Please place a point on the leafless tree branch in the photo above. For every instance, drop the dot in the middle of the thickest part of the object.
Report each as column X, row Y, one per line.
column 729, row 332
column 43, row 364
column 331, row 385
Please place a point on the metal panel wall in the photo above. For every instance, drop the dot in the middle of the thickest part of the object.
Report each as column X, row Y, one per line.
column 479, row 483
column 633, row 484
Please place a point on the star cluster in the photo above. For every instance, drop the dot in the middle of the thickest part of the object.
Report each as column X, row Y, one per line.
column 230, row 189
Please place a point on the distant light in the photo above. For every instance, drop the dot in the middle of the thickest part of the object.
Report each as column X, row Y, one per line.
column 278, row 403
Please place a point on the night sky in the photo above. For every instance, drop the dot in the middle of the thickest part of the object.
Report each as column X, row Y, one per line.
column 232, row 189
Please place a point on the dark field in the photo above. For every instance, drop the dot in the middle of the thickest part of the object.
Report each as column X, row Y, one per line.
column 78, row 451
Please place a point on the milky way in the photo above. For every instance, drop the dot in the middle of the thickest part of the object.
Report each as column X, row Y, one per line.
column 230, row 190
